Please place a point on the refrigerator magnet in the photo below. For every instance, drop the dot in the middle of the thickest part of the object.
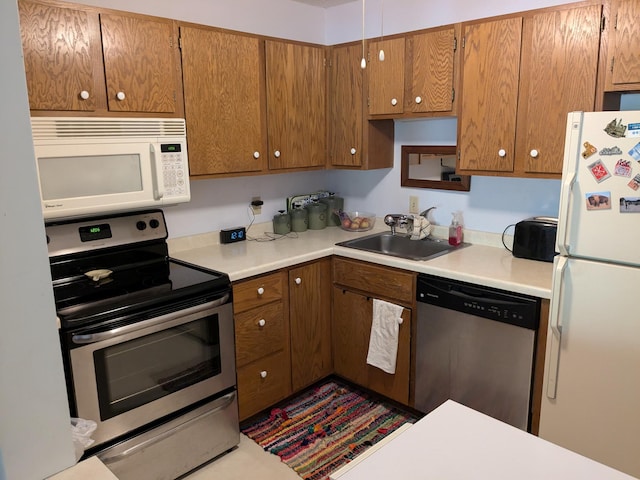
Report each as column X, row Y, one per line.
column 633, row 130
column 635, row 182
column 615, row 128
column 598, row 200
column 629, row 204
column 599, row 171
column 623, row 168
column 635, row 152
column 588, row 150
column 615, row 150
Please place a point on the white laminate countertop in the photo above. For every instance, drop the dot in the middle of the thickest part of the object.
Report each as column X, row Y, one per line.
column 483, row 262
column 456, row 442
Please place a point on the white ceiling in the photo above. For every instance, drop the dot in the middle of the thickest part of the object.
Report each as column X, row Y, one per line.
column 325, row 3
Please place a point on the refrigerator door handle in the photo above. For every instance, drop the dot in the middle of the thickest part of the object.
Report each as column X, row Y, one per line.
column 553, row 362
column 569, row 176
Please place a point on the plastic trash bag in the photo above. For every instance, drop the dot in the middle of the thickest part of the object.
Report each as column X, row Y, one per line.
column 81, row 431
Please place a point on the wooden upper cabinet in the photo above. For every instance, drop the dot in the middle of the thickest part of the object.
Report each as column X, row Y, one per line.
column 623, row 66
column 515, row 98
column 559, row 73
column 386, row 78
column 62, row 57
column 296, row 105
column 141, row 62
column 346, row 97
column 488, row 107
column 88, row 60
column 223, row 78
column 354, row 141
column 430, row 71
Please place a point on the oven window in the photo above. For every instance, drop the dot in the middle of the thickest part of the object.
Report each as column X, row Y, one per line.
column 136, row 372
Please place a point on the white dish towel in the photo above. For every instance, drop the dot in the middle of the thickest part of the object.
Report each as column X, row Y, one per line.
column 383, row 342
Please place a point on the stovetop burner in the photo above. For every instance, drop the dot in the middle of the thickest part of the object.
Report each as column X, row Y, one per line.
column 131, row 255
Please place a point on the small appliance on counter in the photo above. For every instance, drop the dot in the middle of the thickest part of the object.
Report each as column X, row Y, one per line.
column 535, row 238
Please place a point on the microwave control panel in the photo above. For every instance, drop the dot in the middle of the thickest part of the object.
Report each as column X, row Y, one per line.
column 174, row 169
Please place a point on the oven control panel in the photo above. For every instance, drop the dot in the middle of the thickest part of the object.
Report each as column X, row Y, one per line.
column 75, row 236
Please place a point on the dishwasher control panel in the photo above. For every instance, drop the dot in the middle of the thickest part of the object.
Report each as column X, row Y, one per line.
column 508, row 307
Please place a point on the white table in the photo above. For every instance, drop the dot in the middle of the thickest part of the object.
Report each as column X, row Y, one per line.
column 455, row 442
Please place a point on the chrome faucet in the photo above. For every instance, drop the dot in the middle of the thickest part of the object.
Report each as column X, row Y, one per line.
column 396, row 220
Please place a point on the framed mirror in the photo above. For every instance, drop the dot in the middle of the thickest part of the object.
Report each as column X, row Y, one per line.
column 432, row 166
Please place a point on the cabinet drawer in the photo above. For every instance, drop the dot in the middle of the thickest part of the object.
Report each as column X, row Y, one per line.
column 256, row 392
column 257, row 292
column 385, row 282
column 259, row 332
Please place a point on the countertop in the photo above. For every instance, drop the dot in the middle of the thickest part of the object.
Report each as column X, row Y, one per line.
column 456, row 442
column 485, row 261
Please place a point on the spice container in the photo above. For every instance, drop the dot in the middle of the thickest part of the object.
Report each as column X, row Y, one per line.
column 317, row 216
column 281, row 223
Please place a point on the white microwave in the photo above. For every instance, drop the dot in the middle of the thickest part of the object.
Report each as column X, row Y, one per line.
column 91, row 165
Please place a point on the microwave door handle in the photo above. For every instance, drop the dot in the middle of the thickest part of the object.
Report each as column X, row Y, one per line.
column 156, row 168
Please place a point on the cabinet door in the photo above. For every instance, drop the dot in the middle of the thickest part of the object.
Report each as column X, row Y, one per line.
column 62, row 57
column 224, row 101
column 141, row 66
column 310, row 321
column 430, row 82
column 352, row 320
column 624, row 59
column 346, row 106
column 296, row 105
column 386, row 78
column 559, row 69
column 488, row 107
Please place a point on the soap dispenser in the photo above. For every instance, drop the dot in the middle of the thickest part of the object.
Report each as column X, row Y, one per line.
column 455, row 230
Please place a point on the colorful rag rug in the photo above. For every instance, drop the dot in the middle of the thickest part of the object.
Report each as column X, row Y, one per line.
column 325, row 428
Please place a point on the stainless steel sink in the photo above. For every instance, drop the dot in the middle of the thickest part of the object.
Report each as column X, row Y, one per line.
column 401, row 246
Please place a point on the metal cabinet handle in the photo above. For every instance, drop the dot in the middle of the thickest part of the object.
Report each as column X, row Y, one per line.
column 260, row 291
column 262, row 322
column 276, row 154
column 120, row 96
column 394, row 101
column 533, row 153
column 298, row 280
column 256, row 155
column 502, row 152
column 418, row 99
column 84, row 95
column 353, row 151
column 263, row 374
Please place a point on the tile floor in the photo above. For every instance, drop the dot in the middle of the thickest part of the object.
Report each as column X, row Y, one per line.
column 248, row 461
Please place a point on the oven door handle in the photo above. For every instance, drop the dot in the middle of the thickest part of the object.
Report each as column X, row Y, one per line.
column 224, row 401
column 84, row 339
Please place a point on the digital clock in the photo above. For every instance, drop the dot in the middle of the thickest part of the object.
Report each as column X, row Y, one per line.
column 231, row 235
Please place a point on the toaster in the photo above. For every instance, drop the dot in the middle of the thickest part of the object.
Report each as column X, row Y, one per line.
column 535, row 239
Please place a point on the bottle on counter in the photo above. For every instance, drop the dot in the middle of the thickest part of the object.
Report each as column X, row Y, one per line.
column 455, row 230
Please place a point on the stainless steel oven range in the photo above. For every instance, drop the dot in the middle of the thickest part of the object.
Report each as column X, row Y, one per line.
column 148, row 345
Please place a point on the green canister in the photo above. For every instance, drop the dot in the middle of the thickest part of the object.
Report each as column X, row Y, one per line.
column 299, row 219
column 281, row 223
column 317, row 216
column 333, row 204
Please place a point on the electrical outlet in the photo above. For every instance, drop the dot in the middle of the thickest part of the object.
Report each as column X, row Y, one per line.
column 414, row 206
column 256, row 205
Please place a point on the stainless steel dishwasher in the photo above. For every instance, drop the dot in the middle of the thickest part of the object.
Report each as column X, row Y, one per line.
column 475, row 345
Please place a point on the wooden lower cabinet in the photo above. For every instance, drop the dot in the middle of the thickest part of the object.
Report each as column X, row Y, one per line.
column 310, row 321
column 352, row 320
column 263, row 383
column 263, row 361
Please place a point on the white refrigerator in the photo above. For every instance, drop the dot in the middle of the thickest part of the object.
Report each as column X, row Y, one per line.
column 591, row 397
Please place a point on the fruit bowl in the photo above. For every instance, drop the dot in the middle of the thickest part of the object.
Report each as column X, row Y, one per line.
column 356, row 221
